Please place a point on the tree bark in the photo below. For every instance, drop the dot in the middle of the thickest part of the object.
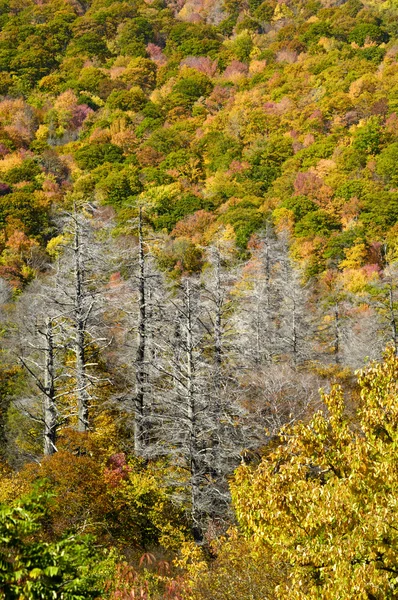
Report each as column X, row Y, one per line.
column 80, row 325
column 336, row 348
column 140, row 434
column 50, row 410
column 393, row 320
column 191, row 413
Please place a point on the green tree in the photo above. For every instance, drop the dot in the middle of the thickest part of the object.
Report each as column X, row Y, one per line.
column 387, row 164
column 118, row 186
column 89, row 157
column 368, row 137
column 317, row 222
column 189, row 87
column 134, row 36
column 193, row 39
column 133, row 99
column 36, row 569
column 367, row 31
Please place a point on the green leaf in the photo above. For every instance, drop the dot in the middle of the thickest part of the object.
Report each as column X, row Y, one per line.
column 35, row 573
column 51, row 571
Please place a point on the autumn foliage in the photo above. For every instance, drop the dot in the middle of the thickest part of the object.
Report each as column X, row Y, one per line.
column 218, row 181
column 322, row 502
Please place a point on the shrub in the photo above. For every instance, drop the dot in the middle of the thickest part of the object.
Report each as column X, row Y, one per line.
column 245, row 218
column 368, row 137
column 170, row 211
column 315, row 31
column 380, row 210
column 220, row 150
column 89, row 44
column 300, row 206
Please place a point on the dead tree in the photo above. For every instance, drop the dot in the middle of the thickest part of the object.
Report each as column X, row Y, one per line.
column 196, row 416
column 189, row 384
column 219, row 344
column 80, row 276
column 181, row 403
column 137, row 301
column 390, row 280
column 50, row 406
column 384, row 300
column 81, row 313
column 295, row 322
column 37, row 345
column 256, row 319
column 141, row 375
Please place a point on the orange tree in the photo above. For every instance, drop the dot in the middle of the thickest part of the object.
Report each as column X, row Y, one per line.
column 123, row 502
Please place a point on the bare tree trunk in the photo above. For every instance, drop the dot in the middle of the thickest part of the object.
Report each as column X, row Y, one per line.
column 268, row 308
column 50, row 410
column 296, row 327
column 336, row 348
column 140, row 435
column 80, row 325
column 263, row 307
column 294, row 335
column 218, row 326
column 215, row 467
column 393, row 320
column 191, row 414
column 257, row 332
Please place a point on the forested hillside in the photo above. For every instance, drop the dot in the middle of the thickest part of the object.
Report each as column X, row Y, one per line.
column 199, row 231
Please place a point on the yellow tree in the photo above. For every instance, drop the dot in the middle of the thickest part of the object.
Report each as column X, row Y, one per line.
column 324, row 502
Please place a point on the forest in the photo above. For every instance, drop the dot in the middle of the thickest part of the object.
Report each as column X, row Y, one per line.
column 198, row 299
